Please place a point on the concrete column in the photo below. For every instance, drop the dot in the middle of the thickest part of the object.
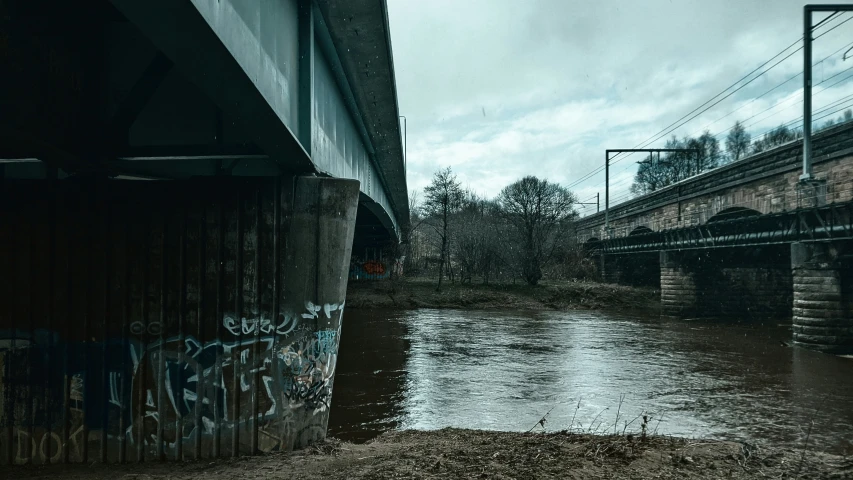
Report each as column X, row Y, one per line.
column 316, row 269
column 284, row 375
column 821, row 317
column 679, row 295
column 192, row 319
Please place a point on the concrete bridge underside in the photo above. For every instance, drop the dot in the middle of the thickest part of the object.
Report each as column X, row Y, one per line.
column 181, row 185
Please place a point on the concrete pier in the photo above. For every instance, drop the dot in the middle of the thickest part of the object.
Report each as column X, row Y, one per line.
column 679, row 294
column 187, row 319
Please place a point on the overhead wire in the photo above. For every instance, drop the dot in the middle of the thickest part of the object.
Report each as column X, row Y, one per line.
column 795, row 97
column 662, row 135
column 668, row 129
column 771, row 91
column 800, row 118
column 824, row 112
column 836, row 106
column 656, row 136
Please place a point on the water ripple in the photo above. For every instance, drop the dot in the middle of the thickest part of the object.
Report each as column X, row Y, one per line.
column 504, row 370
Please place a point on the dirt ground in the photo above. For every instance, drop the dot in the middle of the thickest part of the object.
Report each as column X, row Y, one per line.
column 420, row 293
column 453, row 453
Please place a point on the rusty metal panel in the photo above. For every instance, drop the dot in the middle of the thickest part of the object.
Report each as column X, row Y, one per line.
column 147, row 321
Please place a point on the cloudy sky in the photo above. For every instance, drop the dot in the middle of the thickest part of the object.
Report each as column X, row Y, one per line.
column 499, row 89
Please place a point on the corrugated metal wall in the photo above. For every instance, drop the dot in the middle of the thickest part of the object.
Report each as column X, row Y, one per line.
column 148, row 320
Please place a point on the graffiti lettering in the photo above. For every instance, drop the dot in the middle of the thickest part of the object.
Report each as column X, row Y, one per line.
column 263, row 325
column 312, row 311
column 180, row 386
column 372, row 267
column 139, row 328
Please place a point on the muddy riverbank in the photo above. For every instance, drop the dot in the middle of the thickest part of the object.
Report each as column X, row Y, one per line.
column 454, row 453
column 421, row 293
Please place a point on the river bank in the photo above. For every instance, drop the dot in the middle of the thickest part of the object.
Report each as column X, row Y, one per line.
column 454, row 453
column 421, row 293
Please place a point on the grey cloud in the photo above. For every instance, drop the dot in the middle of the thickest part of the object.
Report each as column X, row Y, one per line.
column 631, row 67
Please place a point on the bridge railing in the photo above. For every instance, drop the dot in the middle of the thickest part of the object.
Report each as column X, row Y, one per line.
column 807, row 224
column 659, row 210
column 834, row 190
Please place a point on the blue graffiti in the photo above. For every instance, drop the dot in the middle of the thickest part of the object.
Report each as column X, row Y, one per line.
column 111, row 381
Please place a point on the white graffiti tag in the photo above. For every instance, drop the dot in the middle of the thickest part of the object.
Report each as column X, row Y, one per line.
column 328, row 308
column 250, row 326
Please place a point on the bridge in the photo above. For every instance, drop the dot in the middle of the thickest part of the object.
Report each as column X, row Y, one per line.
column 182, row 185
column 746, row 239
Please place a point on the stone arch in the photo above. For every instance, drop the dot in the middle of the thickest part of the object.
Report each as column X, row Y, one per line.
column 641, row 230
column 733, row 213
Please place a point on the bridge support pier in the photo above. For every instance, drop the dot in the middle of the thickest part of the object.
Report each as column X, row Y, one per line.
column 318, row 249
column 155, row 320
column 822, row 299
column 679, row 295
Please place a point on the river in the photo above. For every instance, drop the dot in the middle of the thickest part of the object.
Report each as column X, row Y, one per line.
column 504, row 370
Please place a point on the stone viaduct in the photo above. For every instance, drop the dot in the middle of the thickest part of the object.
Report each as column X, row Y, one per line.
column 745, row 240
column 182, row 184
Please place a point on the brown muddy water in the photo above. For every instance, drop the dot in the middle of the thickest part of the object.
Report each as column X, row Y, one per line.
column 429, row 369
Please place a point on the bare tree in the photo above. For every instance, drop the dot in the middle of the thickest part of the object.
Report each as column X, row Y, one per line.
column 468, row 235
column 412, row 236
column 476, row 240
column 539, row 212
column 737, row 142
column 842, row 119
column 651, row 175
column 654, row 174
column 708, row 154
column 443, row 198
column 773, row 138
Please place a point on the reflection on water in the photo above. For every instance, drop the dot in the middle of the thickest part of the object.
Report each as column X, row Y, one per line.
column 429, row 369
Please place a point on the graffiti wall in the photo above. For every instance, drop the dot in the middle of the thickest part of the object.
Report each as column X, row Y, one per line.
column 374, row 269
column 181, row 390
column 160, row 332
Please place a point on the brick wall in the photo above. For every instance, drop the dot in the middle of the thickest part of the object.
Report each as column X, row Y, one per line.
column 823, row 297
column 766, row 182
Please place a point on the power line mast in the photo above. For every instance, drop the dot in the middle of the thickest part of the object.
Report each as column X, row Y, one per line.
column 808, row 28
column 607, row 173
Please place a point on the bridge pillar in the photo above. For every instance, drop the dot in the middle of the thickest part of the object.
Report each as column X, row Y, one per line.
column 679, row 295
column 821, row 316
column 170, row 320
column 318, row 249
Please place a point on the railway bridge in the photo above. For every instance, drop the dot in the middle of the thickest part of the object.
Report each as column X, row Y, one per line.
column 746, row 239
column 182, row 184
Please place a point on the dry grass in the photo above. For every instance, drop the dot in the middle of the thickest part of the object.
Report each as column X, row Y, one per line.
column 455, row 453
column 420, row 293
